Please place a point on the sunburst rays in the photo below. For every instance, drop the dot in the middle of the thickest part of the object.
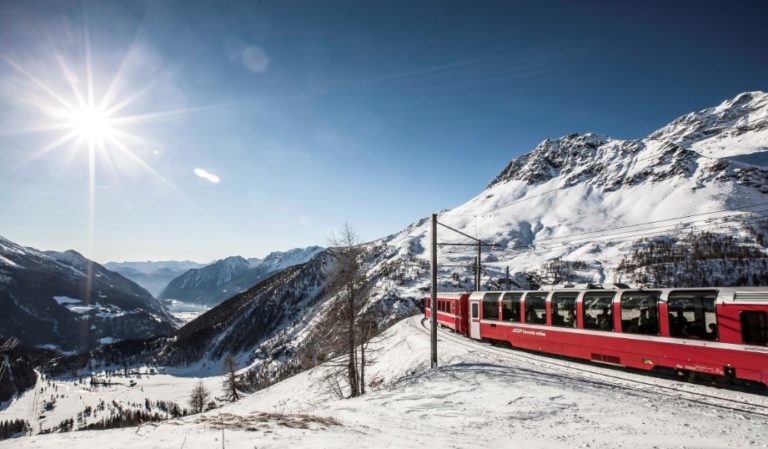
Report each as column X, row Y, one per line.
column 99, row 127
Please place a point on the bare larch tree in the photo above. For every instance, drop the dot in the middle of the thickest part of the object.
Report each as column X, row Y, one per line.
column 230, row 378
column 199, row 397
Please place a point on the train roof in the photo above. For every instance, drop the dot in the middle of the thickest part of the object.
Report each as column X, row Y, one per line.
column 725, row 294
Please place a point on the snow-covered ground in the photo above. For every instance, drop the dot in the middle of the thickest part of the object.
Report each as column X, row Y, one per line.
column 73, row 395
column 185, row 311
column 480, row 396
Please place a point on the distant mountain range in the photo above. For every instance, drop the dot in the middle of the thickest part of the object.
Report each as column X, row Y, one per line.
column 214, row 283
column 64, row 301
column 153, row 275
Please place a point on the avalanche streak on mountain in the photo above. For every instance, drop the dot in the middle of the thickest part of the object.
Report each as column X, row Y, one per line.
column 225, row 278
column 64, row 301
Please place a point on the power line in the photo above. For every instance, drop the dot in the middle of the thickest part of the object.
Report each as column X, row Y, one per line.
column 556, row 243
column 601, row 231
column 669, row 219
column 657, row 229
column 659, row 233
column 464, row 234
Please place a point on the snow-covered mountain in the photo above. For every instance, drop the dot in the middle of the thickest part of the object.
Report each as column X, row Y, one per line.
column 225, row 278
column 63, row 300
column 569, row 211
column 585, row 208
column 152, row 275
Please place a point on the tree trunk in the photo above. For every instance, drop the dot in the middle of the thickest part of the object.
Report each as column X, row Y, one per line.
column 352, row 367
column 362, row 368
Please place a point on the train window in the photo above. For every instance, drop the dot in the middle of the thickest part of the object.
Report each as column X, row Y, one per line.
column 692, row 314
column 475, row 311
column 754, row 328
column 510, row 307
column 640, row 313
column 536, row 308
column 597, row 311
column 563, row 309
column 491, row 306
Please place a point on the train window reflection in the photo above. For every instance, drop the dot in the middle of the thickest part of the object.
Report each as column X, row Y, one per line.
column 640, row 313
column 692, row 314
column 510, row 307
column 598, row 311
column 536, row 308
column 754, row 328
column 563, row 309
column 491, row 306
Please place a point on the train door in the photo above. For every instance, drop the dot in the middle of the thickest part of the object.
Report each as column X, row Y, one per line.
column 474, row 319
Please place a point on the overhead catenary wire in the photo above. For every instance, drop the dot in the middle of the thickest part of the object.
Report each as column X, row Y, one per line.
column 628, row 235
column 715, row 223
column 682, row 217
column 672, row 219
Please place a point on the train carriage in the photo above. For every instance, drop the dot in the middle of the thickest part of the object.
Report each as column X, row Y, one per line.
column 451, row 311
column 718, row 331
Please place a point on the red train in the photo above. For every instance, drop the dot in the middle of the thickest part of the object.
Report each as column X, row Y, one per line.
column 717, row 331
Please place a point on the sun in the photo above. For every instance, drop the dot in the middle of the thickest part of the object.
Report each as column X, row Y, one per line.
column 86, row 116
column 91, row 124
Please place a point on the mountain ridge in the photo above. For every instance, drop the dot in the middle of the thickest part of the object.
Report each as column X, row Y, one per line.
column 65, row 301
column 224, row 278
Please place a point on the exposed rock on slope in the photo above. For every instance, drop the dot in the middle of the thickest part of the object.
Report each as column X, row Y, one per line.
column 71, row 303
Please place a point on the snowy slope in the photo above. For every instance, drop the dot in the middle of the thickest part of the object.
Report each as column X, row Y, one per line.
column 478, row 397
column 736, row 127
column 64, row 301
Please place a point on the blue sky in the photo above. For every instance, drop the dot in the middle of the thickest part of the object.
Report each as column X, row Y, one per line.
column 313, row 114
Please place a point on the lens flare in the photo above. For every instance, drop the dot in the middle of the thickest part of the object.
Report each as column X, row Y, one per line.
column 91, row 124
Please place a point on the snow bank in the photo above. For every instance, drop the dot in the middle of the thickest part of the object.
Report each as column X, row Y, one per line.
column 478, row 397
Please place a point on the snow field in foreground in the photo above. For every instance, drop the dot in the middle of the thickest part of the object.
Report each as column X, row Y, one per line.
column 477, row 397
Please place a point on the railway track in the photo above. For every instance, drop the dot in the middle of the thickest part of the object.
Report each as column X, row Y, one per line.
column 627, row 382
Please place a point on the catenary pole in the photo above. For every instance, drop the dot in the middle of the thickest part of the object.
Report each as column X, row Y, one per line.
column 433, row 296
column 477, row 274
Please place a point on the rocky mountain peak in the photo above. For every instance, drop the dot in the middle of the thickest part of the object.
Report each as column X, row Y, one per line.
column 747, row 113
column 690, row 146
column 551, row 158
